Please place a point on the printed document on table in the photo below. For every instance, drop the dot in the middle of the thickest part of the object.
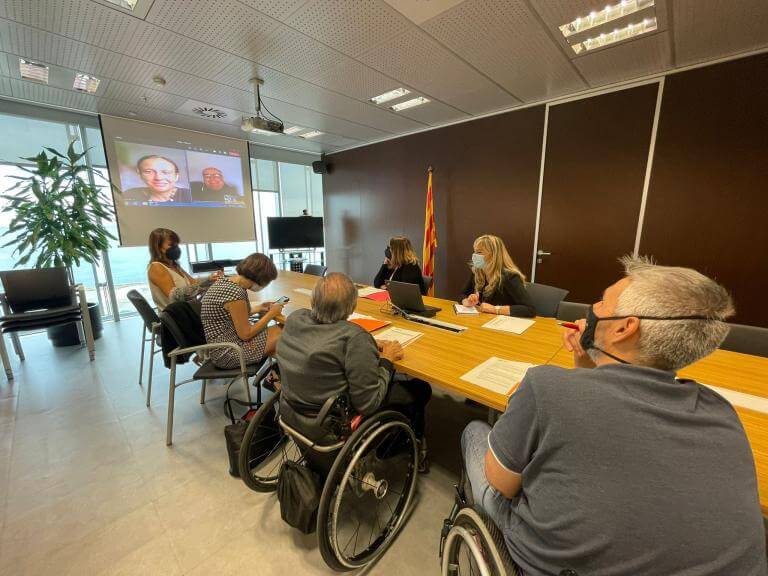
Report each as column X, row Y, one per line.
column 305, row 291
column 510, row 324
column 471, row 310
column 368, row 290
column 397, row 334
column 497, row 375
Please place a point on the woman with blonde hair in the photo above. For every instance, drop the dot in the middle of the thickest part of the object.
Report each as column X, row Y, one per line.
column 400, row 264
column 496, row 285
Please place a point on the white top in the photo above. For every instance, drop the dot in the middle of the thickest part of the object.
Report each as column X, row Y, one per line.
column 158, row 296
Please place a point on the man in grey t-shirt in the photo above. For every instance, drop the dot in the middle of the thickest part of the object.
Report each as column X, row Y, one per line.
column 616, row 467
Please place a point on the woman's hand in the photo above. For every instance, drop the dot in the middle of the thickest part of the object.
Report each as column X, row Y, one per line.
column 471, row 300
column 487, row 308
column 572, row 343
column 216, row 275
column 273, row 310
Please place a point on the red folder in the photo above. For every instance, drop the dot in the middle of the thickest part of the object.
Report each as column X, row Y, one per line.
column 382, row 296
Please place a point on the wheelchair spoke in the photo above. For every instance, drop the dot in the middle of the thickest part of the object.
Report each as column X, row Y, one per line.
column 373, row 485
column 354, row 535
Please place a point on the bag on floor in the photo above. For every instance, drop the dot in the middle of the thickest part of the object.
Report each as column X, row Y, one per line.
column 233, row 433
column 298, row 490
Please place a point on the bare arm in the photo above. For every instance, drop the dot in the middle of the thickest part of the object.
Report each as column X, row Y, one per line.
column 160, row 277
column 239, row 312
column 506, row 482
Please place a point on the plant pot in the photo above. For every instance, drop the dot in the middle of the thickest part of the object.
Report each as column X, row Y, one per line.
column 66, row 334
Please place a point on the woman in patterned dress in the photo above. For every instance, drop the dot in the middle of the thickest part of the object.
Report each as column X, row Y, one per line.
column 226, row 311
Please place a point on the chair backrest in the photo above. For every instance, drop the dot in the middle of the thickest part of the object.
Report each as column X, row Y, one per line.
column 37, row 289
column 571, row 311
column 315, row 269
column 213, row 265
column 427, row 282
column 747, row 340
column 144, row 308
column 545, row 298
column 182, row 321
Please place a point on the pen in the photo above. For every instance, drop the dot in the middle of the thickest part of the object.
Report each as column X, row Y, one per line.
column 569, row 325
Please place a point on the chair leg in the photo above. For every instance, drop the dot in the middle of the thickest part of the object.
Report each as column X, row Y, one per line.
column 151, row 366
column 6, row 360
column 202, row 391
column 143, row 345
column 86, row 321
column 171, row 394
column 247, row 387
column 17, row 346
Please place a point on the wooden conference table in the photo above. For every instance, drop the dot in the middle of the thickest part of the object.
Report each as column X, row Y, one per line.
column 441, row 357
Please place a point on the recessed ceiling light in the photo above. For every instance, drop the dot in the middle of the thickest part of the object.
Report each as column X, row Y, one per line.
column 86, row 83
column 647, row 25
column 311, row 134
column 33, row 71
column 293, row 130
column 409, row 103
column 125, row 4
column 391, row 95
column 159, row 80
column 607, row 14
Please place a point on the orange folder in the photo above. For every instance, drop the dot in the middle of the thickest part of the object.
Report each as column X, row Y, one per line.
column 370, row 324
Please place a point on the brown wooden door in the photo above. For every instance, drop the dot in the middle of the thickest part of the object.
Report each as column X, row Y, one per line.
column 596, row 155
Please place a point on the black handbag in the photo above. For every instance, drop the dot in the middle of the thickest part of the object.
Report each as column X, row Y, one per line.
column 298, row 490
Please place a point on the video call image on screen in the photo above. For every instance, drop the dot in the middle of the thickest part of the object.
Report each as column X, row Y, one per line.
column 152, row 175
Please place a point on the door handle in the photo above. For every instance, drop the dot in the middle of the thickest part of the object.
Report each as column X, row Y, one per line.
column 540, row 256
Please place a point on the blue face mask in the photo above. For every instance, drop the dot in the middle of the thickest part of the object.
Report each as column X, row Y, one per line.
column 478, row 260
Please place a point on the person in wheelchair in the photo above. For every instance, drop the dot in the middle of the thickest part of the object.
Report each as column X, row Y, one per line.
column 321, row 356
column 618, row 467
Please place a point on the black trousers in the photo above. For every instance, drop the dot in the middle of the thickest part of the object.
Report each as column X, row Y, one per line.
column 410, row 398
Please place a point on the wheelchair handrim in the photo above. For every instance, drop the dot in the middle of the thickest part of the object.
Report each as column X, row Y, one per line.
column 402, row 506
column 451, row 546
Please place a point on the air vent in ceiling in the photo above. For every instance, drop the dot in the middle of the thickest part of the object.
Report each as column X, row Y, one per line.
column 209, row 112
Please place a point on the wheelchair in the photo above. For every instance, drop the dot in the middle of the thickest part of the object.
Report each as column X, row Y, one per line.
column 369, row 469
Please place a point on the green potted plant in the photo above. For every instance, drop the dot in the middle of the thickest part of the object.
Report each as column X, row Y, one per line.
column 58, row 215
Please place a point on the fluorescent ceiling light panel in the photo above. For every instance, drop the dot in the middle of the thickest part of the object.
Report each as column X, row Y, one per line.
column 604, row 16
column 124, row 4
column 86, row 83
column 311, row 134
column 391, row 95
column 618, row 35
column 293, row 130
column 33, row 71
column 409, row 103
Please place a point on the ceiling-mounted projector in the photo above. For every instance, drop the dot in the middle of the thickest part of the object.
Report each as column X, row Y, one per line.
column 261, row 124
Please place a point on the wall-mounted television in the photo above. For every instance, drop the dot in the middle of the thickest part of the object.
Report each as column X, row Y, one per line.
column 295, row 232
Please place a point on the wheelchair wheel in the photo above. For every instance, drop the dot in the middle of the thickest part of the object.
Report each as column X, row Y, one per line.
column 265, row 447
column 367, row 492
column 475, row 546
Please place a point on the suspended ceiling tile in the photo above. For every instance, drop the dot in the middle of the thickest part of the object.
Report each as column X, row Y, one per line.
column 143, row 96
column 296, row 54
column 640, row 57
column 5, row 86
column 6, row 61
column 349, row 26
column 420, row 12
column 420, row 61
column 279, row 9
column 707, row 29
column 225, row 24
column 433, row 113
column 35, row 92
column 505, row 40
column 354, row 79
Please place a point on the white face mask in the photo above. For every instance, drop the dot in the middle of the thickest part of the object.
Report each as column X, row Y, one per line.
column 255, row 288
column 478, row 260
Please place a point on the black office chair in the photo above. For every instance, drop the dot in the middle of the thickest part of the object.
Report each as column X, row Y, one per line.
column 747, row 340
column 213, row 265
column 571, row 311
column 191, row 341
column 40, row 298
column 545, row 298
column 152, row 326
column 427, row 283
column 315, row 269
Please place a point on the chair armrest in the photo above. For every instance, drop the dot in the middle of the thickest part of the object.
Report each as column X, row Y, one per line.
column 201, row 347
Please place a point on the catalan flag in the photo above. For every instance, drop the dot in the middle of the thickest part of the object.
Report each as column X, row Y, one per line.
column 430, row 237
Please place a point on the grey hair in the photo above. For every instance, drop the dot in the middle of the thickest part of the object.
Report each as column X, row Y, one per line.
column 673, row 291
column 333, row 299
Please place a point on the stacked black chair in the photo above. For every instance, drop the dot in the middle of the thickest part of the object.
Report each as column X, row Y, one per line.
column 545, row 298
column 40, row 298
column 152, row 326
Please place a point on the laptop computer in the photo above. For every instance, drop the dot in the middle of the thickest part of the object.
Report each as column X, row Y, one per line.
column 407, row 297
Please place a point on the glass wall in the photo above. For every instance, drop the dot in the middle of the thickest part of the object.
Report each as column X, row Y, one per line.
column 279, row 189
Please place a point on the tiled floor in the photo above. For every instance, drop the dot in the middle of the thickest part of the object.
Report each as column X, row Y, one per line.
column 88, row 487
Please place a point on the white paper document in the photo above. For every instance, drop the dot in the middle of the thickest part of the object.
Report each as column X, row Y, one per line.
column 368, row 290
column 471, row 310
column 497, row 375
column 305, row 291
column 356, row 316
column 401, row 335
column 510, row 324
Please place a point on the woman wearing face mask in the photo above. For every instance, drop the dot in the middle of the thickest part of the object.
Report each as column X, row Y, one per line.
column 400, row 264
column 496, row 285
column 164, row 273
column 226, row 310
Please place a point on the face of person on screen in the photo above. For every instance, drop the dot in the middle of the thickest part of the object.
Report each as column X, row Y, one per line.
column 159, row 174
column 213, row 179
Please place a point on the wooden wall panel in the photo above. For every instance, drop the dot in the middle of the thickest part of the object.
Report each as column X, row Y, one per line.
column 708, row 198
